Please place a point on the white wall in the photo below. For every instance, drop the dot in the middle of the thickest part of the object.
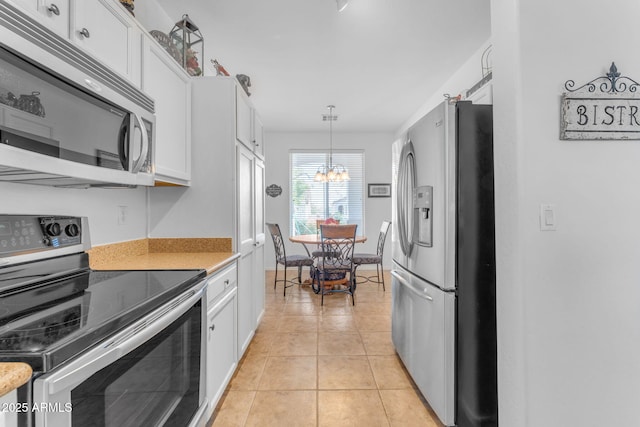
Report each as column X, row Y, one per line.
column 377, row 149
column 460, row 81
column 568, row 300
column 153, row 17
column 98, row 204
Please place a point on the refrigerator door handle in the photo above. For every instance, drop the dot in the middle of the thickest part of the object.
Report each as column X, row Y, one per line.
column 400, row 203
column 422, row 294
column 404, row 197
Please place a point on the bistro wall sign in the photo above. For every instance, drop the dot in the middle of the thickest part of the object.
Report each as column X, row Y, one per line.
column 607, row 107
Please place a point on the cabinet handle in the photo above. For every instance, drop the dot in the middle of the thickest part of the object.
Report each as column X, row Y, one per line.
column 54, row 9
column 85, row 33
column 212, row 327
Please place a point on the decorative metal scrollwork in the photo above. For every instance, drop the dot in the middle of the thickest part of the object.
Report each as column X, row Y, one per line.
column 612, row 82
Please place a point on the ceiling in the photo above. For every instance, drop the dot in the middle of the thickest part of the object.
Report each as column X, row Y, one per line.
column 377, row 61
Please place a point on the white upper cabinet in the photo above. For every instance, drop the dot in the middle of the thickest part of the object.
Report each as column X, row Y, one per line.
column 52, row 13
column 101, row 27
column 243, row 119
column 258, row 135
column 249, row 129
column 110, row 33
column 170, row 86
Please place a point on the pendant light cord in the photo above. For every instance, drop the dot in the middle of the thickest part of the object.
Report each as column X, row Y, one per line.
column 331, row 107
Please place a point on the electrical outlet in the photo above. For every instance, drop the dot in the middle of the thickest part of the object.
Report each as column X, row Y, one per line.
column 123, row 213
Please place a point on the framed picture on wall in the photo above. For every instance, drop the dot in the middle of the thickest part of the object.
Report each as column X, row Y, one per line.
column 379, row 190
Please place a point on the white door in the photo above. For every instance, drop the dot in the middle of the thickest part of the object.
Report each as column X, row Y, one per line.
column 243, row 119
column 246, row 246
column 53, row 14
column 260, row 237
column 170, row 87
column 221, row 351
column 258, row 136
column 112, row 37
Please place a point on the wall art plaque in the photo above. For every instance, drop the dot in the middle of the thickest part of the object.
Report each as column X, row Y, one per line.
column 607, row 107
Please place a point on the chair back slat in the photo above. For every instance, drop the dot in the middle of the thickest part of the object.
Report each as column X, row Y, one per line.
column 278, row 242
column 384, row 229
column 320, row 222
column 338, row 242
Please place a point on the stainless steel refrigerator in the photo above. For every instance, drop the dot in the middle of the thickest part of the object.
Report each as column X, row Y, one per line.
column 443, row 277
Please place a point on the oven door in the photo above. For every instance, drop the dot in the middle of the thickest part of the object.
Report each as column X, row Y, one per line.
column 149, row 374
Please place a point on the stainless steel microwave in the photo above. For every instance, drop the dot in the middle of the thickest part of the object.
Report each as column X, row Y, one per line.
column 66, row 119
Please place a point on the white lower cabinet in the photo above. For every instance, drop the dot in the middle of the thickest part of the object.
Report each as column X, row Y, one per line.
column 246, row 322
column 9, row 418
column 221, row 330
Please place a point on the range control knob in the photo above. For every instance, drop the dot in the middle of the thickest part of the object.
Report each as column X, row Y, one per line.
column 53, row 229
column 72, row 230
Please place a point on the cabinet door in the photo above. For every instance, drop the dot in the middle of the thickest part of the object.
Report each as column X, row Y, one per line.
column 243, row 119
column 28, row 5
column 103, row 29
column 169, row 86
column 260, row 236
column 52, row 13
column 246, row 247
column 221, row 348
column 9, row 418
column 258, row 136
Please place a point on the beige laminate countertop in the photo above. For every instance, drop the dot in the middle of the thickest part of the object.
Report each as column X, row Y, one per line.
column 13, row 375
column 153, row 254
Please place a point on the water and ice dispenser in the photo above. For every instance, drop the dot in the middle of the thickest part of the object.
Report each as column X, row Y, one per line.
column 423, row 214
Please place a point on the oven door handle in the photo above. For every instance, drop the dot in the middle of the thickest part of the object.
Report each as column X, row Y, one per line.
column 88, row 364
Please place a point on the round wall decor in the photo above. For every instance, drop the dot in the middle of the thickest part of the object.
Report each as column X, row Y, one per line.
column 274, row 190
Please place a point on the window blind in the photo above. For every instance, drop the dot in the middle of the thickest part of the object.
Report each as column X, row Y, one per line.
column 311, row 200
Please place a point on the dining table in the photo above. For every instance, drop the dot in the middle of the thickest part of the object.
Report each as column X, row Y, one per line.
column 316, row 239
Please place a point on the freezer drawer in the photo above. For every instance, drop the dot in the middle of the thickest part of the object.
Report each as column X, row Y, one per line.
column 423, row 333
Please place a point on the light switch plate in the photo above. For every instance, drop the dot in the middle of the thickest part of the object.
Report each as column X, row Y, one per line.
column 547, row 217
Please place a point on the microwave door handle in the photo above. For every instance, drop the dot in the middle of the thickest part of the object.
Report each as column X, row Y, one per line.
column 123, row 142
column 144, row 150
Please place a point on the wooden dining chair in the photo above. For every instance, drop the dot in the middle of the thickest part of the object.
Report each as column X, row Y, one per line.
column 364, row 258
column 335, row 267
column 286, row 261
column 328, row 221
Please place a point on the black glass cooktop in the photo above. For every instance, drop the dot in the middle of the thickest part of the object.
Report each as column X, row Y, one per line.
column 53, row 310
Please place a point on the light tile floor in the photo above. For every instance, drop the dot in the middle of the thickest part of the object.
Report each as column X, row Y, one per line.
column 331, row 365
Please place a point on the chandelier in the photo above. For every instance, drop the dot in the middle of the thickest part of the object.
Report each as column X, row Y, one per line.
column 331, row 172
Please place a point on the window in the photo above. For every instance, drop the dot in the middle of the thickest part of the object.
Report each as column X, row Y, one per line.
column 311, row 200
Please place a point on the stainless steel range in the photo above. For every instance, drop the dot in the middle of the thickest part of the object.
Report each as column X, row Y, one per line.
column 108, row 348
